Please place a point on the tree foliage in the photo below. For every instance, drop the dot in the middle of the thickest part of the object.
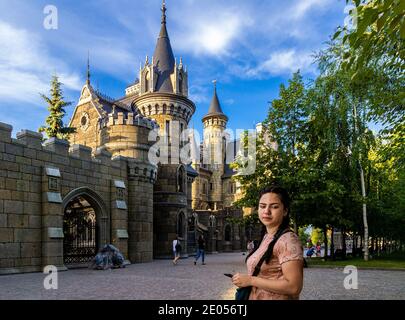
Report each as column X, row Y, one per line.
column 56, row 107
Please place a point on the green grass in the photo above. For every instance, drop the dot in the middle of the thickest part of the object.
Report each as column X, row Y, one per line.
column 393, row 261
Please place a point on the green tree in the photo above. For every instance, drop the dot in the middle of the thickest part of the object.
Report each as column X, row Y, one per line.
column 56, row 106
column 316, row 236
column 279, row 147
column 374, row 52
column 378, row 35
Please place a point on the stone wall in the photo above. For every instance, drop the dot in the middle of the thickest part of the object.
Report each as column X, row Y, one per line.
column 37, row 180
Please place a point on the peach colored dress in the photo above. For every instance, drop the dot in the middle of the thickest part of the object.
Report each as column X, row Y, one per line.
column 288, row 247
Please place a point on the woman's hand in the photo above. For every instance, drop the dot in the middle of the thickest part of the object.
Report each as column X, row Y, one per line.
column 241, row 280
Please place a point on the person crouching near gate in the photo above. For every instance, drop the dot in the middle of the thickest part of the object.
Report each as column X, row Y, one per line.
column 281, row 273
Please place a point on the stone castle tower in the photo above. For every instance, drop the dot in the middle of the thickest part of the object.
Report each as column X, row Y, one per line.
column 160, row 94
column 163, row 96
column 61, row 201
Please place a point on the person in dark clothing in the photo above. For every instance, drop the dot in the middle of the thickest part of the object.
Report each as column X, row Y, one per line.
column 200, row 250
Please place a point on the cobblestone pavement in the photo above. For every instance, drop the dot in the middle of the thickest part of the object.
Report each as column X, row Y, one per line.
column 160, row 280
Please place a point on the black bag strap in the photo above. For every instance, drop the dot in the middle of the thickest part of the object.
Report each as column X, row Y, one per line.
column 259, row 264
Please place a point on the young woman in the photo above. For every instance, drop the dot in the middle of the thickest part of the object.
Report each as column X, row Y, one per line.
column 281, row 274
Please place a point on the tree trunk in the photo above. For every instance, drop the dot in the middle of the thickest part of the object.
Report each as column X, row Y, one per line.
column 343, row 243
column 332, row 246
column 363, row 192
column 325, row 235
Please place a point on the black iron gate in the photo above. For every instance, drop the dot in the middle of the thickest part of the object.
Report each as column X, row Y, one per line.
column 80, row 238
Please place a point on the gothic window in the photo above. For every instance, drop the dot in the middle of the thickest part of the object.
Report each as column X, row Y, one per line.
column 180, row 83
column 212, row 220
column 168, row 130
column 181, row 179
column 228, row 233
column 147, row 78
column 181, row 133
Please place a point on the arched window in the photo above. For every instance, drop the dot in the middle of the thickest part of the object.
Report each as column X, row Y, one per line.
column 147, row 78
column 180, row 83
column 212, row 221
column 228, row 233
column 181, row 179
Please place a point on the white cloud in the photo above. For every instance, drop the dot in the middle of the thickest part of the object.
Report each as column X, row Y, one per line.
column 303, row 6
column 26, row 66
column 198, row 94
column 283, row 63
column 205, row 35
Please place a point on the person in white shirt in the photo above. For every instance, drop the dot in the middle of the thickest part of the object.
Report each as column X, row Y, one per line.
column 176, row 250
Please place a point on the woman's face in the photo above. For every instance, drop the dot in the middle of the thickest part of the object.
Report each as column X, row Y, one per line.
column 271, row 210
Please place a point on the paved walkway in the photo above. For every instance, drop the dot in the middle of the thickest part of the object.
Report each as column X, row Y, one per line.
column 161, row 280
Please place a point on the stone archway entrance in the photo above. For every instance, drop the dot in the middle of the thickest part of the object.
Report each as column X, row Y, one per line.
column 85, row 226
column 80, row 240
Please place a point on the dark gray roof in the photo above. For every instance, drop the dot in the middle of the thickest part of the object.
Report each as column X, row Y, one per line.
column 215, row 108
column 191, row 171
column 163, row 58
column 228, row 172
column 108, row 104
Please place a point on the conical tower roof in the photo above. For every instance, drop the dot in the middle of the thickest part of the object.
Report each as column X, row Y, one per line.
column 215, row 107
column 163, row 58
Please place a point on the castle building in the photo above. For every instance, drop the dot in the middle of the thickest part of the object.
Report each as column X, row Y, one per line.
column 61, row 201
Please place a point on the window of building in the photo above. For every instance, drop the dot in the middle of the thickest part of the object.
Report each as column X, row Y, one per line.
column 211, row 186
column 181, row 179
column 147, row 78
column 168, row 130
column 53, row 184
column 120, row 194
column 180, row 83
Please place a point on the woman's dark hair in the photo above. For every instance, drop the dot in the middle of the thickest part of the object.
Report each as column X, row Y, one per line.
column 286, row 201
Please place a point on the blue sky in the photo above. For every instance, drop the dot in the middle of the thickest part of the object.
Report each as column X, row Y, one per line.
column 249, row 46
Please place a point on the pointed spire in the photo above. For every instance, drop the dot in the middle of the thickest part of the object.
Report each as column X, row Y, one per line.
column 88, row 68
column 163, row 58
column 215, row 107
column 163, row 12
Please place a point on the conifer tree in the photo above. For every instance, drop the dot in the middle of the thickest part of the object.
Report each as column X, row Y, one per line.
column 56, row 106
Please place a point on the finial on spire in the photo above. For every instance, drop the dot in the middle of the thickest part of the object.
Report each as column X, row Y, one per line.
column 88, row 67
column 164, row 12
column 147, row 60
column 215, row 84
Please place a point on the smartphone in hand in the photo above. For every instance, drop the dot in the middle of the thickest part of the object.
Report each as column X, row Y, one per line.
column 228, row 275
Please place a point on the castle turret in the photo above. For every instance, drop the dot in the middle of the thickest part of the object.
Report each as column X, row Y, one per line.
column 214, row 145
column 163, row 97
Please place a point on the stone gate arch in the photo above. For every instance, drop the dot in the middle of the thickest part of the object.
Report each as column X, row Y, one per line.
column 86, row 225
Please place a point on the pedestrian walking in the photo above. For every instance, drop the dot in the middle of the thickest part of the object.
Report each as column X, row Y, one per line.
column 275, row 267
column 250, row 246
column 176, row 250
column 200, row 250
